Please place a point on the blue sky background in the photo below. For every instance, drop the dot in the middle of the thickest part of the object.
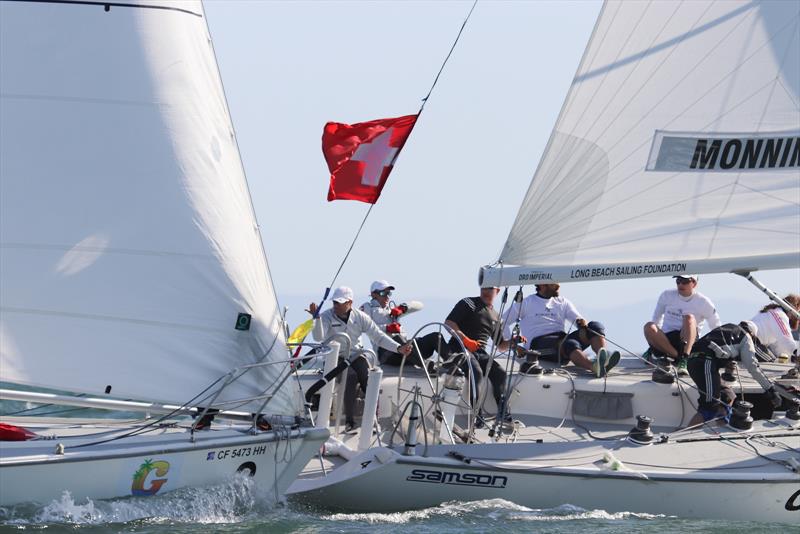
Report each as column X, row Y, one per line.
column 289, row 67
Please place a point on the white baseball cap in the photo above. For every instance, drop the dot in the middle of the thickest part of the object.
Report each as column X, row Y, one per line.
column 342, row 294
column 380, row 285
column 688, row 277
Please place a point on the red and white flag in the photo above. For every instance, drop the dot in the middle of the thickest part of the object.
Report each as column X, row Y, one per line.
column 360, row 156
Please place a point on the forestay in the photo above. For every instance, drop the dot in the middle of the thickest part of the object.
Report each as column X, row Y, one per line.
column 676, row 149
column 129, row 241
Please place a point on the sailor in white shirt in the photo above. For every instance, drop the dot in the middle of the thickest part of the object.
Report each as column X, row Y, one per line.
column 343, row 318
column 775, row 327
column 545, row 317
column 679, row 315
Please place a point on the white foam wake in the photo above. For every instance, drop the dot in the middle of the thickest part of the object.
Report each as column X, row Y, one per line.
column 230, row 502
column 491, row 508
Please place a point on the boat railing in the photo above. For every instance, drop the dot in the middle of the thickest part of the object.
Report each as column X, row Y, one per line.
column 235, row 374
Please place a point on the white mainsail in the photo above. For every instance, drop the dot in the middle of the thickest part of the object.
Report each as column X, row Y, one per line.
column 677, row 149
column 128, row 240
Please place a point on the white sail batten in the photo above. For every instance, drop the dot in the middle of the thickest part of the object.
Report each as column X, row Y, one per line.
column 128, row 241
column 679, row 141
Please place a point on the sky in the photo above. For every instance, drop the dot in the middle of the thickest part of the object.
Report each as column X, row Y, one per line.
column 447, row 208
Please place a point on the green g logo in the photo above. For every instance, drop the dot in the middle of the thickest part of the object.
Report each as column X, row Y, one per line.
column 243, row 321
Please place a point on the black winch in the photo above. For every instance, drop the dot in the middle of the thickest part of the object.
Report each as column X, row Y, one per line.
column 641, row 433
column 531, row 364
column 664, row 373
column 740, row 418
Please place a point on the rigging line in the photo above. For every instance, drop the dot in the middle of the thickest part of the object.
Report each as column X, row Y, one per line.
column 347, row 254
column 509, row 370
column 396, row 154
column 728, row 201
column 147, row 427
column 425, row 100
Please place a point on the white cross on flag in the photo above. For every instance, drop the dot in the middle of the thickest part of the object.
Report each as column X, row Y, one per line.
column 360, row 156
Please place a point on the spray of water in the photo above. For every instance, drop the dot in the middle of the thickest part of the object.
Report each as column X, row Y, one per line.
column 234, row 501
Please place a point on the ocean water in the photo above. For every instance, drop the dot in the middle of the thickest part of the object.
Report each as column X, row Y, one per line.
column 239, row 507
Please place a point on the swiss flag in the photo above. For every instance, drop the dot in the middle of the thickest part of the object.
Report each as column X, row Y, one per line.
column 360, row 156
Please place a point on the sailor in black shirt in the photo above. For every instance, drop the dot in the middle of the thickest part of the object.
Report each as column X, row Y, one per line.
column 475, row 321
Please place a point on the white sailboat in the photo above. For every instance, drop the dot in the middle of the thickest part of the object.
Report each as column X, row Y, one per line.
column 677, row 151
column 131, row 263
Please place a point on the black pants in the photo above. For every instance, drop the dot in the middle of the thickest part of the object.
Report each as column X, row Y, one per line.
column 497, row 376
column 428, row 344
column 705, row 374
column 357, row 373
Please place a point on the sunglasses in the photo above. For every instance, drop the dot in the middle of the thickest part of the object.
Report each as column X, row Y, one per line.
column 384, row 293
column 683, row 281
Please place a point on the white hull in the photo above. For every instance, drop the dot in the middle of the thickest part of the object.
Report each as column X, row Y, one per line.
column 159, row 462
column 710, row 479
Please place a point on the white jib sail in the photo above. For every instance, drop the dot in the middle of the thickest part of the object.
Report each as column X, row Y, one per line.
column 676, row 149
column 128, row 241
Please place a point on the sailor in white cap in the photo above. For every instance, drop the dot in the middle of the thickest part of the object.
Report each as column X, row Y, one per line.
column 386, row 314
column 343, row 318
column 679, row 315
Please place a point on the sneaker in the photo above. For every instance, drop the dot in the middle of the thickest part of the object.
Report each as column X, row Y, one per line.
column 613, row 360
column 350, row 427
column 682, row 367
column 599, row 364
